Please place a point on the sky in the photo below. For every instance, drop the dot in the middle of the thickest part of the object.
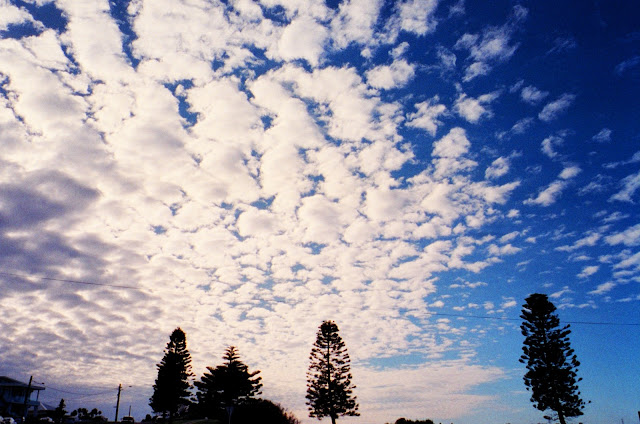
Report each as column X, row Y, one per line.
column 246, row 169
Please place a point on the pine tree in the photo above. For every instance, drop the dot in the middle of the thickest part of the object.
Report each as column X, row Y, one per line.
column 551, row 363
column 171, row 390
column 227, row 385
column 329, row 386
column 60, row 412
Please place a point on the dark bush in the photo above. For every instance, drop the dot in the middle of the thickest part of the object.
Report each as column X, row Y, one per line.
column 262, row 411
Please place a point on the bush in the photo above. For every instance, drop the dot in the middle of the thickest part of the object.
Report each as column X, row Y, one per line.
column 262, row 411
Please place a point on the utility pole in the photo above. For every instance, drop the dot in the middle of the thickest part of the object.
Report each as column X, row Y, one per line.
column 118, row 402
column 26, row 398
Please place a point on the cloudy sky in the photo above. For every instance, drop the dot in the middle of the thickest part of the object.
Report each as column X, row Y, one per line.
column 246, row 169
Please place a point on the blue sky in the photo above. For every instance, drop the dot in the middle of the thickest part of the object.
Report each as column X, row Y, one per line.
column 247, row 169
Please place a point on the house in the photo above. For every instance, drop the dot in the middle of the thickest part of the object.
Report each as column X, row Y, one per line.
column 15, row 396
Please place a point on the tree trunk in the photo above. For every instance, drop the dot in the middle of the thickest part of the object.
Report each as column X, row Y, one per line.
column 333, row 419
column 561, row 417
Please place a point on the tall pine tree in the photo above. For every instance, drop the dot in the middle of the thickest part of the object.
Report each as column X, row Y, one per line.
column 329, row 386
column 171, row 390
column 227, row 385
column 551, row 363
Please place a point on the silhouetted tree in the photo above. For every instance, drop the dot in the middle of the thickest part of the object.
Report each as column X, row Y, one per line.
column 59, row 412
column 329, row 386
column 171, row 390
column 227, row 385
column 551, row 363
column 263, row 411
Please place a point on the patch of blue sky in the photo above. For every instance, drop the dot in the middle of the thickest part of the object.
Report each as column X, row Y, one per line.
column 121, row 16
column 263, row 203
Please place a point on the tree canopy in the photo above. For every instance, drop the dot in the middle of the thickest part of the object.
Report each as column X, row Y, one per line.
column 171, row 390
column 551, row 363
column 329, row 385
column 227, row 385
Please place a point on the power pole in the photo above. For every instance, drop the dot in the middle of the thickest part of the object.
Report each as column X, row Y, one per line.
column 118, row 402
column 26, row 397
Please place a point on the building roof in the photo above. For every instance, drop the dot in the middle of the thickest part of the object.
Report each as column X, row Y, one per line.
column 10, row 382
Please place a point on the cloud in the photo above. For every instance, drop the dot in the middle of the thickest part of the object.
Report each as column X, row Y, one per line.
column 472, row 109
column 303, row 38
column 392, row 76
column 532, row 95
column 625, row 65
column 552, row 192
column 552, row 110
column 427, row 114
column 604, row 136
column 630, row 185
column 498, row 168
column 493, row 46
column 588, row 271
column 549, row 144
column 417, row 16
column 628, row 237
column 355, row 22
column 589, row 240
column 603, row 288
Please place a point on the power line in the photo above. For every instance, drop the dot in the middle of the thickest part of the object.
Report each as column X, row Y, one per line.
column 88, row 283
column 518, row 319
column 429, row 313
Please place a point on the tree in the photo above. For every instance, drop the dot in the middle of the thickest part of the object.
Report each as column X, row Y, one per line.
column 171, row 390
column 551, row 363
column 263, row 411
column 60, row 412
column 227, row 385
column 329, row 386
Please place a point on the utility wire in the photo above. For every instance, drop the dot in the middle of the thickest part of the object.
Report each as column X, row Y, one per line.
column 518, row 319
column 118, row 286
column 82, row 394
column 430, row 313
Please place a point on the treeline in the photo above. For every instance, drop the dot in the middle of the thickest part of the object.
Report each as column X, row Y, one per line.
column 229, row 391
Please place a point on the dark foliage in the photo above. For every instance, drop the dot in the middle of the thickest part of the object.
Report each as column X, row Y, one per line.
column 551, row 363
column 262, row 411
column 171, row 390
column 227, row 385
column 406, row 421
column 59, row 412
column 329, row 386
column 83, row 414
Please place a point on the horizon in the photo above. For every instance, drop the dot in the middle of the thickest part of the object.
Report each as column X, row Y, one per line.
column 245, row 170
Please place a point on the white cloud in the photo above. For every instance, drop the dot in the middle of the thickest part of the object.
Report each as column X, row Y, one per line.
column 355, row 22
column 392, row 76
column 604, row 136
column 549, row 195
column 570, row 172
column 14, row 15
column 603, row 288
column 303, row 38
column 427, row 114
column 532, row 95
column 493, row 46
column 630, row 185
column 498, row 168
column 452, row 145
column 552, row 110
column 417, row 16
column 509, row 304
column 549, row 144
column 588, row 271
column 628, row 237
column 552, row 192
column 472, row 109
column 588, row 240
